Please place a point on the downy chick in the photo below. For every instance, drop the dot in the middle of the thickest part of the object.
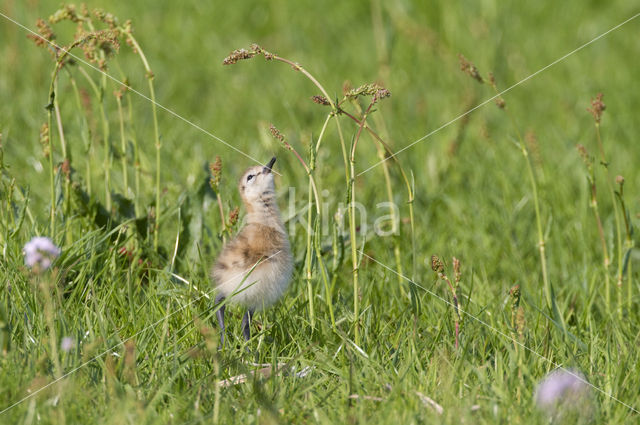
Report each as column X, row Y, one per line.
column 261, row 245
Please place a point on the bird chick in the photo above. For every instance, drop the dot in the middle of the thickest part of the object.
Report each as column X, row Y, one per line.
column 255, row 268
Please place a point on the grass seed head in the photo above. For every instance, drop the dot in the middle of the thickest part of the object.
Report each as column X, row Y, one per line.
column 238, row 55
column 107, row 18
column 584, row 154
column 469, row 69
column 67, row 13
column 45, row 34
column 44, row 140
column 233, row 216
column 372, row 89
column 597, row 108
column 346, row 87
column 258, row 50
column 216, row 172
column 120, row 91
column 242, row 54
column 436, row 264
column 94, row 42
column 320, row 100
column 381, row 93
column 65, row 167
column 456, row 270
column 279, row 136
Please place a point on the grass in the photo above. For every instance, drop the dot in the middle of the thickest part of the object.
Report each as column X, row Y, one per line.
column 140, row 213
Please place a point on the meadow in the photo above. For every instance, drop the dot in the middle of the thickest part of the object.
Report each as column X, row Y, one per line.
column 460, row 184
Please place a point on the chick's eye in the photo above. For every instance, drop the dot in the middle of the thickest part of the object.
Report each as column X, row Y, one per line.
column 249, row 177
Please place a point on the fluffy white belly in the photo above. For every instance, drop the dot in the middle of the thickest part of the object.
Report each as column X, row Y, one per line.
column 260, row 289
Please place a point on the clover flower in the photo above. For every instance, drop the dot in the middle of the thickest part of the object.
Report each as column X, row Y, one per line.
column 561, row 387
column 66, row 344
column 40, row 252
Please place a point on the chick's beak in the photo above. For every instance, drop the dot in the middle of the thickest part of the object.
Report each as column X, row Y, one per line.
column 267, row 168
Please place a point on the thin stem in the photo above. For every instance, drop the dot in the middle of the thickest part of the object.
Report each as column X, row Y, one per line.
column 223, row 222
column 152, row 96
column 312, row 193
column 456, row 307
column 630, row 278
column 325, row 278
column 317, row 234
column 298, row 67
column 63, row 143
column 107, row 153
column 408, row 184
column 394, row 219
column 85, row 130
column 309, row 174
column 413, row 232
column 388, row 150
column 343, row 148
column 50, row 107
column 308, row 257
column 605, row 254
column 629, row 244
column 541, row 241
column 60, row 57
column 360, row 127
column 96, row 91
column 352, row 228
column 47, row 287
column 136, row 157
column 349, row 176
column 362, row 124
column 616, row 215
column 52, row 187
column 123, row 145
column 536, row 203
column 65, row 158
column 324, row 128
column 105, row 127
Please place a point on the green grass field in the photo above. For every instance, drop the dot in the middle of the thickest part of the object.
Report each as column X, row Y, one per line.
column 122, row 330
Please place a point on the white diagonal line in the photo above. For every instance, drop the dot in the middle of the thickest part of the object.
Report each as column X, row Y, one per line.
column 175, row 114
column 502, row 92
column 127, row 339
column 515, row 341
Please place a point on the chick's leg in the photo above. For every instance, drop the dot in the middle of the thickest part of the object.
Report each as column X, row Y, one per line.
column 246, row 324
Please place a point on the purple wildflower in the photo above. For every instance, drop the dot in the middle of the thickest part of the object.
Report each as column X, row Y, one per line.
column 562, row 386
column 39, row 253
